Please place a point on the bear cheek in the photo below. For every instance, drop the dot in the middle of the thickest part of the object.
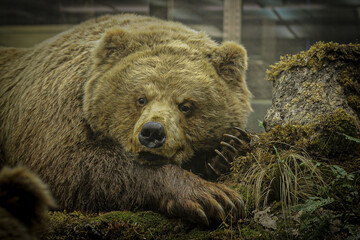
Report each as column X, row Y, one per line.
column 135, row 144
column 184, row 155
column 120, row 121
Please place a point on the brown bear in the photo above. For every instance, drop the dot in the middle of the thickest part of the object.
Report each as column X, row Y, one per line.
column 24, row 202
column 107, row 113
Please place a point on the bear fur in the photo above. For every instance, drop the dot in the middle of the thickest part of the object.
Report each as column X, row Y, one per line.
column 24, row 203
column 72, row 109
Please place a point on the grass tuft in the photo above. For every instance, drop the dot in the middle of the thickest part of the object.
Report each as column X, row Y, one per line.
column 287, row 177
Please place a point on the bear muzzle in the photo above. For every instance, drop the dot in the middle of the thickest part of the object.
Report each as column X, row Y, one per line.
column 152, row 135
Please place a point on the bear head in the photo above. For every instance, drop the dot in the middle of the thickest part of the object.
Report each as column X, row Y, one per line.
column 165, row 97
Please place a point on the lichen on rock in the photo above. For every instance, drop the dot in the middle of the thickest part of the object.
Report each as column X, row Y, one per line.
column 319, row 89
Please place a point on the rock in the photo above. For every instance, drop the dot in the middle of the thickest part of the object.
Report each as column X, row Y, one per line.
column 315, row 83
column 265, row 219
column 317, row 94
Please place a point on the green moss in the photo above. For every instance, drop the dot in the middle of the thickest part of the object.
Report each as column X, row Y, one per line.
column 324, row 135
column 146, row 220
column 65, row 225
column 350, row 81
column 315, row 57
column 250, row 233
column 138, row 225
column 290, row 134
column 144, row 225
column 354, row 103
column 114, row 225
column 245, row 232
column 330, row 140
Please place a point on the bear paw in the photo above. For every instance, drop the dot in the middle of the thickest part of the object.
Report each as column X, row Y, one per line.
column 208, row 204
column 232, row 147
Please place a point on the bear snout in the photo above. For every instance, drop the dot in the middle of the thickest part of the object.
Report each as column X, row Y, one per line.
column 152, row 135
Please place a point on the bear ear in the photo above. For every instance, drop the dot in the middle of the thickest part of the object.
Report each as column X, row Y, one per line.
column 230, row 62
column 114, row 45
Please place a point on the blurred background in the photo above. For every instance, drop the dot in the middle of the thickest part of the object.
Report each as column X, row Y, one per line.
column 267, row 28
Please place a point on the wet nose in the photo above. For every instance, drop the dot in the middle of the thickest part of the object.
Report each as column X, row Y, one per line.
column 152, row 135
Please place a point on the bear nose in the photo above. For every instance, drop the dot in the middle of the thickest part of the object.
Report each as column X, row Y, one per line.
column 152, row 135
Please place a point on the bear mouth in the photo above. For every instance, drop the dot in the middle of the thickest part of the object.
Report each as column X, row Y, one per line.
column 151, row 158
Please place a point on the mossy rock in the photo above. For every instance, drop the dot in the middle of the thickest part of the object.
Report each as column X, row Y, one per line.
column 315, row 83
column 326, row 135
column 318, row 91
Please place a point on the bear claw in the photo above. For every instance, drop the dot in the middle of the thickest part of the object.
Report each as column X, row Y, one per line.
column 203, row 217
column 229, row 146
column 236, row 146
column 243, row 133
column 213, row 169
column 222, row 155
column 235, row 138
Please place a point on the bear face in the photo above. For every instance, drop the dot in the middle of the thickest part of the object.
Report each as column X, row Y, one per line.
column 166, row 101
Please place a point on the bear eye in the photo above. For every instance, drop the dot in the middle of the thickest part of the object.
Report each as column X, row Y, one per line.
column 141, row 101
column 185, row 107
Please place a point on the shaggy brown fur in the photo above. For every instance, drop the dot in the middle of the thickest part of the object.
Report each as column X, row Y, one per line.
column 24, row 201
column 70, row 111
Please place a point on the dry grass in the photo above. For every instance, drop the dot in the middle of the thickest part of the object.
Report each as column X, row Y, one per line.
column 287, row 177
